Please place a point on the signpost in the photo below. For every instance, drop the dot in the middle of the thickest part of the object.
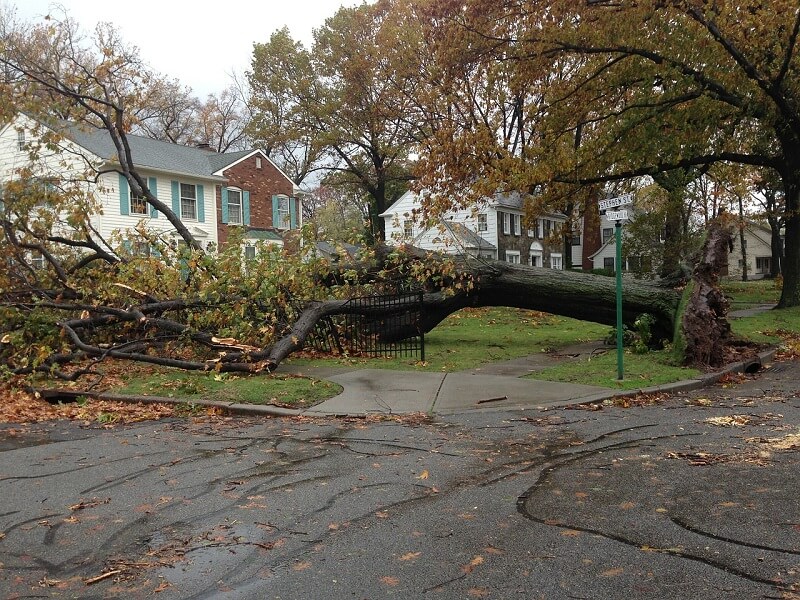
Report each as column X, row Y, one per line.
column 618, row 216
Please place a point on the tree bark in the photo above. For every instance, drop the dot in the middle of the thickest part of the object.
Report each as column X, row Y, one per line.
column 704, row 325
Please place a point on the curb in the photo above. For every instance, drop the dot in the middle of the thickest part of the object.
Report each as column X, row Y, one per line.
column 230, row 407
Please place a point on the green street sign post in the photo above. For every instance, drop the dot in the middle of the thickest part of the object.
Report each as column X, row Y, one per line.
column 618, row 216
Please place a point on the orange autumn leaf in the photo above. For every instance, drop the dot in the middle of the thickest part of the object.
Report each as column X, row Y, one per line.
column 411, row 555
column 424, row 475
column 389, row 580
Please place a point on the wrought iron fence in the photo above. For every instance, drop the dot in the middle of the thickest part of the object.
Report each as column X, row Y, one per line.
column 382, row 325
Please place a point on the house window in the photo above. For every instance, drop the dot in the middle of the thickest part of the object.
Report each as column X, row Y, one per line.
column 608, row 263
column 258, row 162
column 555, row 262
column 188, row 201
column 138, row 205
column 516, row 224
column 37, row 260
column 547, row 227
column 536, row 259
column 283, row 212
column 607, row 233
column 234, row 207
column 21, row 140
column 763, row 264
column 576, row 239
column 512, row 256
column 483, row 222
column 506, row 223
column 249, row 252
column 408, row 229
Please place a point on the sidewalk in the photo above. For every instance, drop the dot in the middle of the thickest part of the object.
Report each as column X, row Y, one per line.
column 497, row 386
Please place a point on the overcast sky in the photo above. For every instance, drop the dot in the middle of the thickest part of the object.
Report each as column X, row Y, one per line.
column 199, row 43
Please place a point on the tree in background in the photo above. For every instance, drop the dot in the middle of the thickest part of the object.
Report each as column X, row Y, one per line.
column 652, row 86
column 344, row 106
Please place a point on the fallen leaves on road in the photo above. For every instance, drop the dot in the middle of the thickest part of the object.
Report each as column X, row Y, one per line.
column 411, row 556
column 470, row 566
column 730, row 421
column 787, row 442
column 390, row 581
column 89, row 503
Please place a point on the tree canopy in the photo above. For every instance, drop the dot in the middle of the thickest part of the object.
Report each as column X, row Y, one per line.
column 649, row 87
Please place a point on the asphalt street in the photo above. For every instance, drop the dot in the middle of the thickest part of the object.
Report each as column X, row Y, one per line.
column 692, row 497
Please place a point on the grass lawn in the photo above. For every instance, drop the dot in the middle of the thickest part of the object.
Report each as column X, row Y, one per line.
column 746, row 294
column 639, row 371
column 282, row 390
column 475, row 336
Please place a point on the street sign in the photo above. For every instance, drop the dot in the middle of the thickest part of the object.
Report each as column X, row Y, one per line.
column 615, row 202
column 617, row 215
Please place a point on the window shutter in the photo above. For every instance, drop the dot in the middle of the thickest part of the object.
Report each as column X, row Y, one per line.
column 246, row 208
column 176, row 198
column 292, row 213
column 201, row 205
column 152, row 183
column 276, row 221
column 124, row 196
column 223, row 200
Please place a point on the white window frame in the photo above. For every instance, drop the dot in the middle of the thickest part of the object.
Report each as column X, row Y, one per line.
column 408, row 229
column 37, row 260
column 258, row 162
column 284, row 216
column 516, row 224
column 249, row 252
column 188, row 202
column 21, row 140
column 535, row 258
column 240, row 214
column 137, row 205
column 483, row 222
column 763, row 264
column 512, row 256
column 610, row 231
column 506, row 223
column 556, row 261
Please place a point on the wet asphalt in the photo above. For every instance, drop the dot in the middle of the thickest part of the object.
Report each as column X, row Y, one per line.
column 695, row 496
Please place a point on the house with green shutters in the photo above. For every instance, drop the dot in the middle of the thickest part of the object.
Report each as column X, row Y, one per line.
column 210, row 192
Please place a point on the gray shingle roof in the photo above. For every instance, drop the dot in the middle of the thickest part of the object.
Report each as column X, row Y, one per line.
column 467, row 237
column 155, row 154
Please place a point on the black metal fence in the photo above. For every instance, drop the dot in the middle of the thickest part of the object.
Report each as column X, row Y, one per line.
column 385, row 325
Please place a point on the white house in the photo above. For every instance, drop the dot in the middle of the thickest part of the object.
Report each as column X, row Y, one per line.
column 495, row 228
column 758, row 249
column 180, row 176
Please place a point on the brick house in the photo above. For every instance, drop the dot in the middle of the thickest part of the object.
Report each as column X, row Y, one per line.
column 257, row 196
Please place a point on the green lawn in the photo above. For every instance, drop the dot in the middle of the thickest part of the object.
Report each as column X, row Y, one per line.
column 285, row 390
column 746, row 294
column 475, row 336
column 639, row 371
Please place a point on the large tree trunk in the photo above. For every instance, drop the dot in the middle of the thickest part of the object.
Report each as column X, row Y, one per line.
column 704, row 325
column 567, row 293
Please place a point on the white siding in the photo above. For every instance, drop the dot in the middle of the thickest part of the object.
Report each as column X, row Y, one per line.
column 71, row 165
column 435, row 237
column 758, row 246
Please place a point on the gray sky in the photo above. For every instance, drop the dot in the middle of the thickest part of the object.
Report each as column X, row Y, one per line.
column 199, row 43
